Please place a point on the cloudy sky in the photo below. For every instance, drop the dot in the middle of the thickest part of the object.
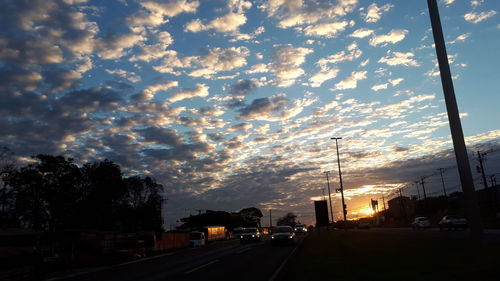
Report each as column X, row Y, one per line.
column 232, row 103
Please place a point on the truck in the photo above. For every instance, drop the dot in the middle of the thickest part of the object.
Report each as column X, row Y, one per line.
column 450, row 222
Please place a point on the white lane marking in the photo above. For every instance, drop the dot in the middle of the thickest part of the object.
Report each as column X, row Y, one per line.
column 200, row 267
column 282, row 265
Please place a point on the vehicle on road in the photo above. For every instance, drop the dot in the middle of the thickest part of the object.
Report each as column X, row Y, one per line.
column 421, row 223
column 300, row 228
column 250, row 234
column 197, row 238
column 364, row 225
column 283, row 235
column 450, row 222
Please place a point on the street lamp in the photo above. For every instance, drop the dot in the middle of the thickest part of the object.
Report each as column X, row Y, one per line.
column 344, row 207
column 329, row 194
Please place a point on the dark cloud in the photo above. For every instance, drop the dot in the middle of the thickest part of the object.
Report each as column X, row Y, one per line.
column 161, row 136
column 216, row 136
column 243, row 87
column 122, row 86
column 184, row 152
column 263, row 107
column 89, row 100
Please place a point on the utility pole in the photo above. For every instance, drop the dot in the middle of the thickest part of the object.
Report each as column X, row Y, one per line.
column 344, row 206
column 493, row 180
column 480, row 158
column 418, row 190
column 423, row 187
column 329, row 194
column 270, row 219
column 441, row 170
column 457, row 135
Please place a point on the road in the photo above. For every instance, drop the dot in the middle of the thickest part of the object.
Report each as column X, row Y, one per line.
column 216, row 261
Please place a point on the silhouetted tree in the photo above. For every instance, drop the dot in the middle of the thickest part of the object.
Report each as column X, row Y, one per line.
column 288, row 219
column 54, row 193
column 6, row 193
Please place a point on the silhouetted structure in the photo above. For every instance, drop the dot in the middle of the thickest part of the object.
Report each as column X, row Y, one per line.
column 321, row 210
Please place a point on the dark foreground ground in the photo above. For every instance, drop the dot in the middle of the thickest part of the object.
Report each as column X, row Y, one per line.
column 382, row 255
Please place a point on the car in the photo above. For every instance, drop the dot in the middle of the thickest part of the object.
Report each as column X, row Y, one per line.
column 300, row 228
column 283, row 235
column 364, row 225
column 450, row 222
column 250, row 234
column 421, row 223
column 197, row 238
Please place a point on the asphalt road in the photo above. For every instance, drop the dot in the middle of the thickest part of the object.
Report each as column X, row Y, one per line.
column 217, row 261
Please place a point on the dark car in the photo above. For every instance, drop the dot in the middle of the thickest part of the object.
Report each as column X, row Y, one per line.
column 283, row 235
column 251, row 234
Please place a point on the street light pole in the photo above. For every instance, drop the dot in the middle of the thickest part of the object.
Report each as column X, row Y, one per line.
column 457, row 135
column 344, row 207
column 329, row 194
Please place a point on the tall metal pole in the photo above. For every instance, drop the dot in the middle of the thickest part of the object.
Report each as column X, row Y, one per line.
column 461, row 156
column 344, row 207
column 441, row 170
column 329, row 194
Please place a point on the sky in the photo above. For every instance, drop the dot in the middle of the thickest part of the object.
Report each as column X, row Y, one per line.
column 232, row 103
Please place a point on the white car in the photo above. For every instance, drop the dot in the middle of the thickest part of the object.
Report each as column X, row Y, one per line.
column 300, row 228
column 421, row 223
column 197, row 238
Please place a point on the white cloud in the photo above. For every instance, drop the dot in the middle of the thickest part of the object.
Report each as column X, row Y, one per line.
column 258, row 68
column 460, row 38
column 114, row 46
column 448, row 2
column 353, row 53
column 361, row 33
column 171, row 8
column 285, row 64
column 399, row 58
column 129, row 75
column 380, row 87
column 328, row 30
column 476, row 18
column 292, row 13
column 201, row 91
column 155, row 51
column 397, row 81
column 217, row 60
column 392, row 37
column 154, row 13
column 374, row 13
column 151, row 90
column 351, row 82
column 227, row 23
column 322, row 76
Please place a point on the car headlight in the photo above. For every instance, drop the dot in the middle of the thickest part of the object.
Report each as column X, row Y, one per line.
column 272, row 237
column 291, row 236
column 241, row 236
column 253, row 235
